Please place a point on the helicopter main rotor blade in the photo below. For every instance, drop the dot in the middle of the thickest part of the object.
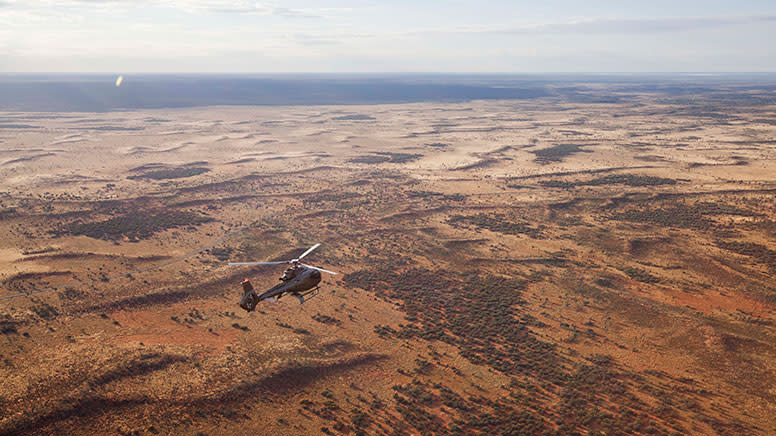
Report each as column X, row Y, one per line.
column 308, row 251
column 256, row 263
column 319, row 269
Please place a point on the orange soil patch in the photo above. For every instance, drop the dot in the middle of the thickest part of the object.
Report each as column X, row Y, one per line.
column 156, row 328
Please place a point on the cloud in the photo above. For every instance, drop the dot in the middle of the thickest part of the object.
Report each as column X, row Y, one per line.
column 613, row 26
column 246, row 7
column 301, row 13
column 310, row 40
column 219, row 6
column 645, row 25
column 62, row 4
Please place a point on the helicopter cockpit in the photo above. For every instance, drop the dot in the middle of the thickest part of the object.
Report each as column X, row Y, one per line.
column 290, row 273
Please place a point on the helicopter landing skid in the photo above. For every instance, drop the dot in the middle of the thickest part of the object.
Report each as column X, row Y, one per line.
column 307, row 296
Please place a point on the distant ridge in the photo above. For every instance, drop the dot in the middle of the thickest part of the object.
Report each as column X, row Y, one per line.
column 98, row 93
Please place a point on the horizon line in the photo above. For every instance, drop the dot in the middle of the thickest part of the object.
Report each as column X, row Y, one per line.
column 441, row 73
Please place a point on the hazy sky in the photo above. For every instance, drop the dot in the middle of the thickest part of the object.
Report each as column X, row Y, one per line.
column 123, row 36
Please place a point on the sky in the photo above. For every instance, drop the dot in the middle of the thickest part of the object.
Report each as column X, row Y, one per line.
column 335, row 36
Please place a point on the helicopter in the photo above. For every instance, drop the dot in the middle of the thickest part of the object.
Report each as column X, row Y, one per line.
column 299, row 280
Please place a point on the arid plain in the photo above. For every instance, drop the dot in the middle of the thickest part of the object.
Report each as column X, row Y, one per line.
column 507, row 267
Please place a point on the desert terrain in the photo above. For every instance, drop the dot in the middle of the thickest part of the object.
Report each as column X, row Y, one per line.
column 535, row 266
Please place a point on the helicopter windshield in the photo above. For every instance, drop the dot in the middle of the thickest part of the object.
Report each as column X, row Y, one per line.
column 289, row 274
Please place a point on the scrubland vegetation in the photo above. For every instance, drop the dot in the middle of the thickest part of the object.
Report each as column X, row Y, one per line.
column 523, row 273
